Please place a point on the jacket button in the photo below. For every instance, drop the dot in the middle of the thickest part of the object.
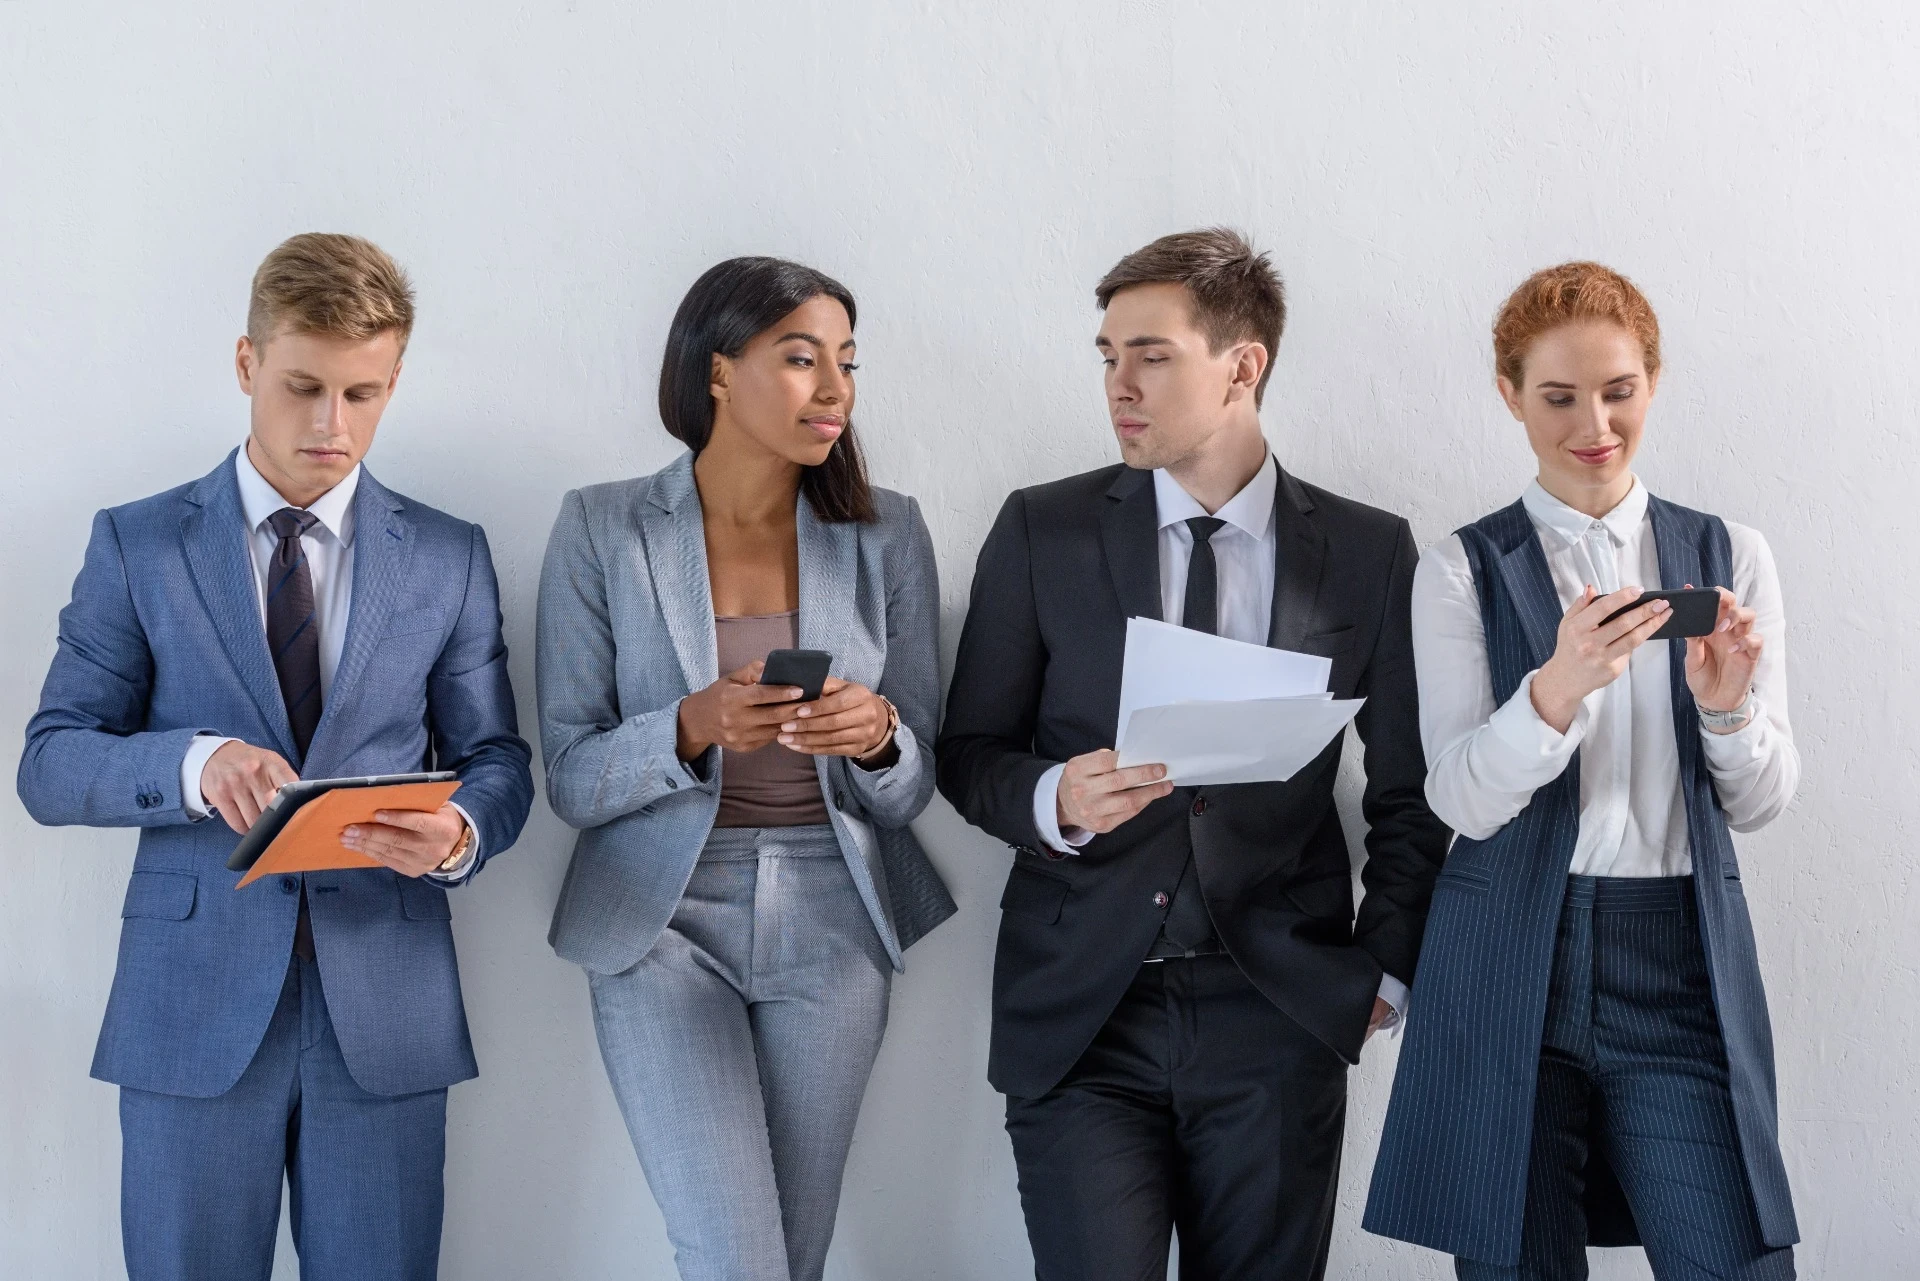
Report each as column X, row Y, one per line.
column 1160, row 898
column 289, row 885
column 840, row 801
column 140, row 799
column 671, row 784
column 1199, row 805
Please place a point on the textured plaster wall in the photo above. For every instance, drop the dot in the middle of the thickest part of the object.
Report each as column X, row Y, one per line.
column 556, row 174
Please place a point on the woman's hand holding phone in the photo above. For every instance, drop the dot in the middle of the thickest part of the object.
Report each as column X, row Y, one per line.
column 846, row 720
column 1592, row 650
column 736, row 711
column 1720, row 665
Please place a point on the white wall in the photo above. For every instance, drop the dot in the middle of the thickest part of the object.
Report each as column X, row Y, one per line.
column 556, row 175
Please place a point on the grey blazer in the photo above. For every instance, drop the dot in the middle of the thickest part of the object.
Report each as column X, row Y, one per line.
column 626, row 631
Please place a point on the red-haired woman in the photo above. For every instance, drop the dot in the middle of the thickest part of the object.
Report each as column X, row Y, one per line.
column 1588, row 1054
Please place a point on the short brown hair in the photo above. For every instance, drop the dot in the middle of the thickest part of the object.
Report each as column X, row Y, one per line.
column 1564, row 295
column 318, row 283
column 1237, row 295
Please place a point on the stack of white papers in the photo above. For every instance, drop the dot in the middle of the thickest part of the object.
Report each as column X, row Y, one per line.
column 1214, row 710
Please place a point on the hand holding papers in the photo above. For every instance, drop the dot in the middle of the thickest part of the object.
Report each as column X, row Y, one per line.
column 1214, row 710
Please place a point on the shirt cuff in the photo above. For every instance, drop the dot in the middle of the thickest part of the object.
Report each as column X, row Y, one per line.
column 1046, row 815
column 1526, row 746
column 468, row 861
column 1395, row 994
column 1730, row 753
column 192, row 765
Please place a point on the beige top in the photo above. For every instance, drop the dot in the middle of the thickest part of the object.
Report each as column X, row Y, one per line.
column 775, row 786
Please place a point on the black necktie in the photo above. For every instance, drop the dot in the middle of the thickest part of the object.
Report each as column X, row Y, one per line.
column 1202, row 609
column 293, row 637
column 1187, row 926
column 292, row 633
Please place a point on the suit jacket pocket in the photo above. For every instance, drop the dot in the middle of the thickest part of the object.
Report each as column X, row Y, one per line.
column 1470, row 879
column 1330, row 644
column 422, row 900
column 160, row 896
column 1034, row 895
column 427, row 618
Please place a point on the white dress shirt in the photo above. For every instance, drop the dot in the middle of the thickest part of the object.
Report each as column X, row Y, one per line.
column 1484, row 763
column 1244, row 551
column 328, row 545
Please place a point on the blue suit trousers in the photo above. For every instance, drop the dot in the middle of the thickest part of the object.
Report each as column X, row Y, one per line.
column 201, row 1178
column 1632, row 1062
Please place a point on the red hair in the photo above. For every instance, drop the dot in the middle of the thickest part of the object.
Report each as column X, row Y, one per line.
column 1564, row 295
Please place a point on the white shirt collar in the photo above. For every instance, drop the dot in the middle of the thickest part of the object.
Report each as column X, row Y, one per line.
column 259, row 500
column 1620, row 523
column 1250, row 510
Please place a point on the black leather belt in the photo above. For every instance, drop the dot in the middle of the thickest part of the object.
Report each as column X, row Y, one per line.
column 1163, row 951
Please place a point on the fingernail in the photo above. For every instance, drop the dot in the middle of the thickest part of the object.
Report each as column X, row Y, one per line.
column 789, row 727
column 1661, row 607
column 805, row 711
column 786, row 738
column 351, row 834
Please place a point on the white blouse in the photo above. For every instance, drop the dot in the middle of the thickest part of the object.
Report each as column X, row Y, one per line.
column 1484, row 762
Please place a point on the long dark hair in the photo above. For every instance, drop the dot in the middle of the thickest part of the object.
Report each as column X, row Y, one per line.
column 721, row 314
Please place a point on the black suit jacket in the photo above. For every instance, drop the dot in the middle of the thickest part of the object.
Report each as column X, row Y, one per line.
column 1038, row 681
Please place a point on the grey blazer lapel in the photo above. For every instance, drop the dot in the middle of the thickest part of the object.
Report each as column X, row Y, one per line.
column 1130, row 536
column 383, row 543
column 829, row 565
column 214, row 532
column 676, row 545
column 1300, row 553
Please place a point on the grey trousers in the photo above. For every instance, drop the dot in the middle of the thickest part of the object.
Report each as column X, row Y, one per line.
column 739, row 1048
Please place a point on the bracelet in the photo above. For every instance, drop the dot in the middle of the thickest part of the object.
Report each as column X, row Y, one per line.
column 1728, row 720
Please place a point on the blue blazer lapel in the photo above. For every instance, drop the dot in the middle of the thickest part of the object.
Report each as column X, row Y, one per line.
column 382, row 551
column 1530, row 583
column 676, row 545
column 214, row 532
column 829, row 555
column 1680, row 564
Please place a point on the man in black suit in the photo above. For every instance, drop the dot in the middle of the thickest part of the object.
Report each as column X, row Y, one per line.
column 1181, row 982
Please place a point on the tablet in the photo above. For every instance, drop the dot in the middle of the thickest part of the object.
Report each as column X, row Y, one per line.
column 290, row 797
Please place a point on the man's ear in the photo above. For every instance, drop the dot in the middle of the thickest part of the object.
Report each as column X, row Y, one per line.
column 394, row 380
column 717, row 376
column 1249, row 366
column 243, row 363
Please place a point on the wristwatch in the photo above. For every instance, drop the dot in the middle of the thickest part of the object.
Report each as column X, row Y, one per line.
column 459, row 852
column 1727, row 722
column 893, row 727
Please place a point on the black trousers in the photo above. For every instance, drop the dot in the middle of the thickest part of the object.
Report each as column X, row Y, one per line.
column 1200, row 1109
column 1632, row 1060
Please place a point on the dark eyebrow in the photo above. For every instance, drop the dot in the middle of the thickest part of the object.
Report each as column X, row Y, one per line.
column 806, row 337
column 1146, row 340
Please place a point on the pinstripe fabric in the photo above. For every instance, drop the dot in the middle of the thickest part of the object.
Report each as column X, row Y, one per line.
column 1452, row 1168
column 1632, row 1070
column 625, row 631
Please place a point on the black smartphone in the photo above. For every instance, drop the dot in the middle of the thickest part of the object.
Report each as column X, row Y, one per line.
column 805, row 669
column 1693, row 612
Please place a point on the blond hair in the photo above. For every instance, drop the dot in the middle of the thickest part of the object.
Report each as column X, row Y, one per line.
column 341, row 286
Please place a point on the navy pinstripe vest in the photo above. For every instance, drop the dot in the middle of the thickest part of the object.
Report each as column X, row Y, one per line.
column 1452, row 1169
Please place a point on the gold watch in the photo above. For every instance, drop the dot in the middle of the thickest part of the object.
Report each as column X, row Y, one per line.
column 893, row 727
column 452, row 860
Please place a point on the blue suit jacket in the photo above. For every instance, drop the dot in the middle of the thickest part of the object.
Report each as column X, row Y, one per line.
column 162, row 641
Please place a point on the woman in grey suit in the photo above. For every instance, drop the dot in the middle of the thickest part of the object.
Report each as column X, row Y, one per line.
column 744, row 882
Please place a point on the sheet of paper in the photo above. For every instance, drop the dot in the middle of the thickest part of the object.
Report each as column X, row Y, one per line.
column 1167, row 664
column 1260, row 740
